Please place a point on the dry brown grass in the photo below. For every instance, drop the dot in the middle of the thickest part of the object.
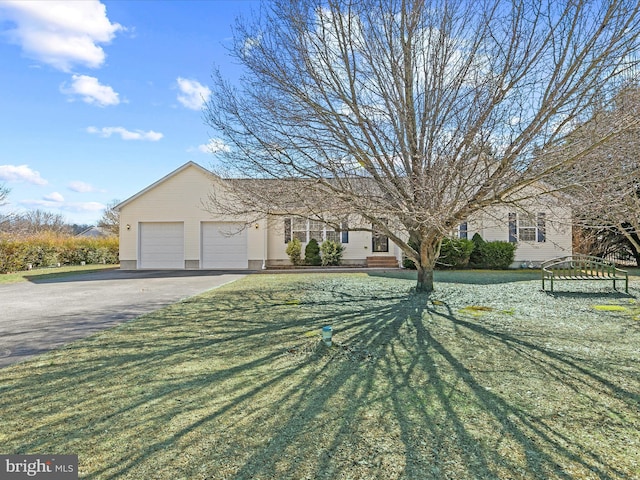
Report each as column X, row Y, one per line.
column 235, row 384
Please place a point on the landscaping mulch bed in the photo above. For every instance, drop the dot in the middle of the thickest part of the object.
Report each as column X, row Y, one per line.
column 486, row 378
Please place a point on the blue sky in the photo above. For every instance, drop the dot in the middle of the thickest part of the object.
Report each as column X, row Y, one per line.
column 100, row 99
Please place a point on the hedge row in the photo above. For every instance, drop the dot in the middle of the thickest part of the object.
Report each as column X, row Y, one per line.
column 328, row 253
column 474, row 253
column 49, row 249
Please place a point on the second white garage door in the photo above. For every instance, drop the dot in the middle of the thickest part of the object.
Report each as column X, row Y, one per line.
column 162, row 245
column 224, row 245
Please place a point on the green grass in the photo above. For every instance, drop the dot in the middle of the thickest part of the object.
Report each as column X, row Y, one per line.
column 42, row 273
column 235, row 384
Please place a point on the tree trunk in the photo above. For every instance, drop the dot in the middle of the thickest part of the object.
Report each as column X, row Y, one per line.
column 429, row 253
column 425, row 279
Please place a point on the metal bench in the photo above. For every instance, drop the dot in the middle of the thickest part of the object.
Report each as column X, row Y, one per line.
column 582, row 267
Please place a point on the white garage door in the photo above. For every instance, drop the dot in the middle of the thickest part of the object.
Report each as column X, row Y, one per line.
column 162, row 245
column 224, row 245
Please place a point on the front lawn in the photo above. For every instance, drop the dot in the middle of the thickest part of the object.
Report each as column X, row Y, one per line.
column 52, row 272
column 480, row 380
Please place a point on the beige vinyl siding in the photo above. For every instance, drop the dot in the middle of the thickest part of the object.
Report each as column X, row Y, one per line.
column 180, row 197
column 493, row 224
column 356, row 250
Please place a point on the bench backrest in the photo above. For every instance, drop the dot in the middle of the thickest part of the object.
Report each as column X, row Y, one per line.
column 581, row 265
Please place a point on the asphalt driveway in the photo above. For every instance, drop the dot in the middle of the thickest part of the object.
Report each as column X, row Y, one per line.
column 47, row 313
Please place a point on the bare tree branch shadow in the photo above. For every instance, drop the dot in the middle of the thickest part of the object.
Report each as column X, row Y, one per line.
column 410, row 389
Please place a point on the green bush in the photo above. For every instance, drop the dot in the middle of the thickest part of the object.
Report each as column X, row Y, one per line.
column 455, row 253
column 495, row 255
column 48, row 249
column 12, row 254
column 41, row 251
column 475, row 259
column 474, row 253
column 312, row 253
column 331, row 252
column 101, row 255
column 498, row 255
column 294, row 250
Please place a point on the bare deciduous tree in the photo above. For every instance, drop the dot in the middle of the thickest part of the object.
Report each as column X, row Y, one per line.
column 609, row 205
column 413, row 115
column 4, row 218
column 110, row 220
column 34, row 222
column 4, row 193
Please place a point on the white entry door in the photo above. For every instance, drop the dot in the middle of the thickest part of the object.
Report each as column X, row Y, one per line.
column 224, row 245
column 162, row 245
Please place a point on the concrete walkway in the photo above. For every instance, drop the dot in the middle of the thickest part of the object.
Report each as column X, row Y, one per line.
column 47, row 313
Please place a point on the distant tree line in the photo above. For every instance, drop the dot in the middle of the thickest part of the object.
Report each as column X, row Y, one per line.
column 40, row 239
column 34, row 222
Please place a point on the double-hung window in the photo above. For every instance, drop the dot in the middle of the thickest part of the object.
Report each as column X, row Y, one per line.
column 299, row 229
column 463, row 231
column 304, row 230
column 527, row 228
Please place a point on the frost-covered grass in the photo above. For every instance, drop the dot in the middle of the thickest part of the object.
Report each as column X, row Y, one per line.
column 487, row 378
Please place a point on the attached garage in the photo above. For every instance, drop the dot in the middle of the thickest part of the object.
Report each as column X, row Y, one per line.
column 224, row 245
column 167, row 226
column 161, row 245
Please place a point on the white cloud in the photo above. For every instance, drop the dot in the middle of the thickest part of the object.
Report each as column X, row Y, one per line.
column 91, row 91
column 215, row 145
column 193, row 93
column 54, row 197
column 83, row 206
column 60, row 33
column 125, row 134
column 39, row 204
column 81, row 187
column 21, row 173
column 64, row 206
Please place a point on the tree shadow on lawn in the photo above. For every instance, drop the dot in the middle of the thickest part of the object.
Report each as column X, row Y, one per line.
column 469, row 277
column 116, row 274
column 593, row 295
column 222, row 387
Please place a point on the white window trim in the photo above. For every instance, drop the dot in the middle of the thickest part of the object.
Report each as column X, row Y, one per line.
column 325, row 229
column 531, row 225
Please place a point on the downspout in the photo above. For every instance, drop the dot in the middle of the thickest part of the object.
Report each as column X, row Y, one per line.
column 264, row 244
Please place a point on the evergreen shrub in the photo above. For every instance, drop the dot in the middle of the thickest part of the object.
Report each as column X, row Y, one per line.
column 312, row 253
column 475, row 259
column 455, row 253
column 294, row 250
column 331, row 252
column 498, row 255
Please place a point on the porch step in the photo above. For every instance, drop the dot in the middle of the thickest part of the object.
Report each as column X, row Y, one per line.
column 382, row 262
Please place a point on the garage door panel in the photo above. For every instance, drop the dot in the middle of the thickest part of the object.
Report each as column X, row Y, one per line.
column 162, row 245
column 224, row 245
